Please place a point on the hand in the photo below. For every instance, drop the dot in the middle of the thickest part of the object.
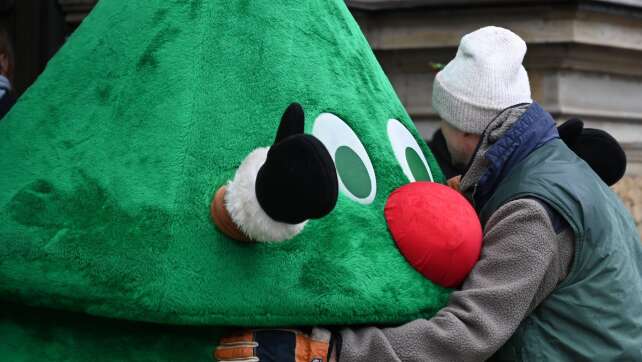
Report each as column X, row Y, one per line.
column 275, row 345
column 454, row 183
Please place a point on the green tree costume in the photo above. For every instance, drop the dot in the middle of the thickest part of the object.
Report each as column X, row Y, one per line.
column 110, row 160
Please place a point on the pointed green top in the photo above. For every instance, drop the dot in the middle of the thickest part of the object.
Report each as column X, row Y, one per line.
column 110, row 160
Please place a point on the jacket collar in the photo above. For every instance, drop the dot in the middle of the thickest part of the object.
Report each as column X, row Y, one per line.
column 534, row 128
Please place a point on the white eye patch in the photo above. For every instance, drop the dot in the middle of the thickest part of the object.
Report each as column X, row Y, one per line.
column 407, row 151
column 354, row 168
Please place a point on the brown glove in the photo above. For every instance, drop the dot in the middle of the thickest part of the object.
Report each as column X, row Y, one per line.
column 454, row 182
column 274, row 345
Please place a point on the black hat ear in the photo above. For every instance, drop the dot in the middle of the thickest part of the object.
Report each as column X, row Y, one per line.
column 598, row 148
column 570, row 130
column 603, row 153
column 292, row 122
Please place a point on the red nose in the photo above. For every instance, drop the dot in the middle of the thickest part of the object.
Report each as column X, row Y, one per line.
column 436, row 230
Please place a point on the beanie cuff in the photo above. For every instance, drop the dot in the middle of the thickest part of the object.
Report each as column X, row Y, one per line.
column 465, row 116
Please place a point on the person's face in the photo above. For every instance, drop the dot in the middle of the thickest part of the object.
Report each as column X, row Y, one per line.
column 461, row 145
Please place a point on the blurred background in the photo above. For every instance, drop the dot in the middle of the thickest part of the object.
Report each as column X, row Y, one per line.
column 584, row 57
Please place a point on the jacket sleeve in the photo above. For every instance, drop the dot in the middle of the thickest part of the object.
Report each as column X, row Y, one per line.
column 523, row 259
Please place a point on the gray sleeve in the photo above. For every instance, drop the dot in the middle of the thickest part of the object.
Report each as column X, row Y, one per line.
column 522, row 261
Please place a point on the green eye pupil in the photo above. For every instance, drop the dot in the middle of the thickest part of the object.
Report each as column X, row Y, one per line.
column 353, row 172
column 416, row 165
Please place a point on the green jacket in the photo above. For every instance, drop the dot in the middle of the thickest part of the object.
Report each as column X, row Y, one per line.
column 596, row 313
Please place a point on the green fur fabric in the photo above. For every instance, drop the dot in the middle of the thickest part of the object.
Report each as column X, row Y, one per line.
column 110, row 161
column 37, row 334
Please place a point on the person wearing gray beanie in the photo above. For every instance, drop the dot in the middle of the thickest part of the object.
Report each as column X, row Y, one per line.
column 560, row 272
column 485, row 77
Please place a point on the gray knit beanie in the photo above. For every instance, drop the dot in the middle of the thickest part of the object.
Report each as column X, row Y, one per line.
column 485, row 77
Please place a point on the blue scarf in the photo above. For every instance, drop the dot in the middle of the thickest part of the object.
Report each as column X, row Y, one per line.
column 532, row 130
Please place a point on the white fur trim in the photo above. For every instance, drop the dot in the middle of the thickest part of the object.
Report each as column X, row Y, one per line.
column 244, row 207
